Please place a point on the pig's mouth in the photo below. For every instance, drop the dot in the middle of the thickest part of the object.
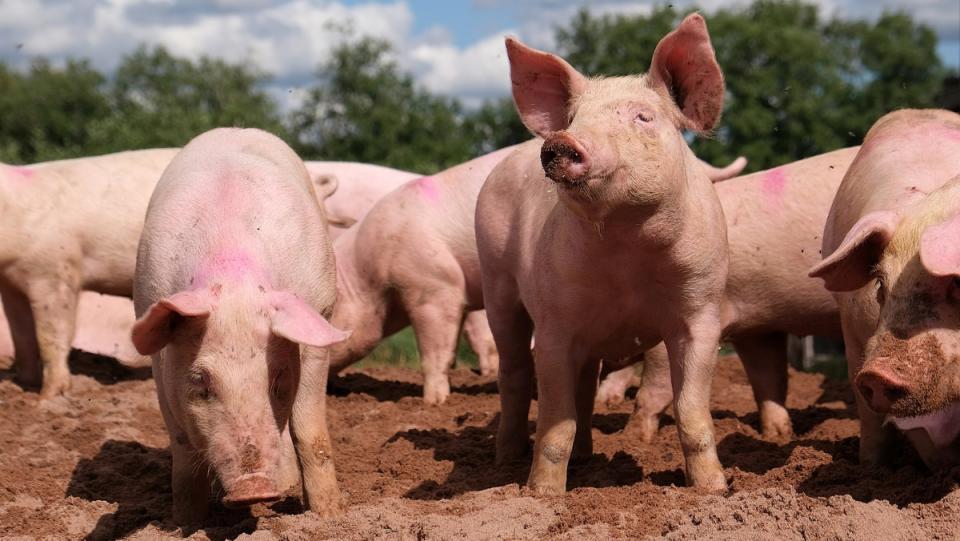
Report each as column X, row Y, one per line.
column 942, row 426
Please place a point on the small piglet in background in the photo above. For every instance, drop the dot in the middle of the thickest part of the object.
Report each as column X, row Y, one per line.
column 891, row 255
column 235, row 276
column 603, row 239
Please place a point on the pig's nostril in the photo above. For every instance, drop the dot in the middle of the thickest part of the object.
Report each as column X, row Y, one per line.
column 881, row 391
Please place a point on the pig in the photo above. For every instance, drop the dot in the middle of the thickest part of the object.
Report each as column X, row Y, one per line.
column 602, row 238
column 235, row 277
column 890, row 257
column 384, row 284
column 775, row 221
column 352, row 189
column 67, row 226
column 361, row 186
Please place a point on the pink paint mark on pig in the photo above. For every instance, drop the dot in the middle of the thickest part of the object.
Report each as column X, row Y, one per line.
column 19, row 175
column 228, row 264
column 950, row 134
column 774, row 182
column 428, row 189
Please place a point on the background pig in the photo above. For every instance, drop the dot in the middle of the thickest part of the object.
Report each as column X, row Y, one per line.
column 356, row 187
column 66, row 226
column 774, row 225
column 624, row 248
column 890, row 248
column 413, row 260
column 234, row 274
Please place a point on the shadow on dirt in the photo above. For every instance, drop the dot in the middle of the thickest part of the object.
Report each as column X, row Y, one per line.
column 392, row 391
column 106, row 370
column 137, row 479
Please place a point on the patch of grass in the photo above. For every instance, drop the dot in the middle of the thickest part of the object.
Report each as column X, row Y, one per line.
column 401, row 350
column 835, row 368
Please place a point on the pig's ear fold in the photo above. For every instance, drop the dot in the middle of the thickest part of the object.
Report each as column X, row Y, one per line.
column 152, row 331
column 325, row 185
column 684, row 63
column 297, row 321
column 940, row 249
column 543, row 86
column 851, row 265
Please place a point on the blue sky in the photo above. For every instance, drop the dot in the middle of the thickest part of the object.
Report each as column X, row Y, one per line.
column 452, row 47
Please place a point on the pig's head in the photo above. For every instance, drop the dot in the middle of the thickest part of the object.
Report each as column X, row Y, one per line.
column 231, row 369
column 618, row 141
column 911, row 364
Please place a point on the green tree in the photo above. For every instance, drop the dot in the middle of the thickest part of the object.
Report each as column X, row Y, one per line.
column 159, row 100
column 365, row 109
column 47, row 111
column 797, row 85
column 494, row 125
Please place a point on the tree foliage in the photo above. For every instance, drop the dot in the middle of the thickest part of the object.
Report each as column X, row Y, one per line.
column 363, row 108
column 797, row 84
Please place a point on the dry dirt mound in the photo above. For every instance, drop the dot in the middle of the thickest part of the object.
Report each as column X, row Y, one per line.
column 94, row 465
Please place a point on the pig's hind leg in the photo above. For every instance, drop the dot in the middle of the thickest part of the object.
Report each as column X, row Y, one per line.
column 23, row 331
column 477, row 329
column 512, row 328
column 764, row 358
column 653, row 396
column 437, row 327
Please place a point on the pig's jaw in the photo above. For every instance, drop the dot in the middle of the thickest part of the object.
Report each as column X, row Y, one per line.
column 942, row 426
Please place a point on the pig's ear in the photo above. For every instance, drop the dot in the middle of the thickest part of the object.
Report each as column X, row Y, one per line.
column 851, row 265
column 940, row 249
column 297, row 321
column 325, row 184
column 543, row 85
column 684, row 63
column 152, row 331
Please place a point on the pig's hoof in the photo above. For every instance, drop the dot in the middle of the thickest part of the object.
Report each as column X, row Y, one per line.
column 488, row 371
column 436, row 393
column 331, row 509
column 775, row 422
column 608, row 396
column 53, row 388
column 547, row 487
column 643, row 427
column 710, row 481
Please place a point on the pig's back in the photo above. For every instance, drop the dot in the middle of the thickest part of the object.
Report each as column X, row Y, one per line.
column 237, row 191
column 906, row 155
column 90, row 209
column 775, row 222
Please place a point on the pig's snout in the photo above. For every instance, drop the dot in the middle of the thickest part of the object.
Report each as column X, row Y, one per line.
column 250, row 489
column 881, row 388
column 564, row 159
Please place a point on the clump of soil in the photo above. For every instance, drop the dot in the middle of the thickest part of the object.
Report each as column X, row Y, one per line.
column 95, row 465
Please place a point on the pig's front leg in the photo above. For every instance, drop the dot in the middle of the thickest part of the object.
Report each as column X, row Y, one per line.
column 653, row 396
column 764, row 359
column 693, row 354
column 586, row 394
column 189, row 480
column 308, row 425
column 512, row 328
column 558, row 376
column 877, row 442
column 437, row 327
column 16, row 306
column 54, row 307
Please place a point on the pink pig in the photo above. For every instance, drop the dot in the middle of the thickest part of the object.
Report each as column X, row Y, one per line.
column 891, row 257
column 68, row 226
column 774, row 225
column 601, row 240
column 234, row 278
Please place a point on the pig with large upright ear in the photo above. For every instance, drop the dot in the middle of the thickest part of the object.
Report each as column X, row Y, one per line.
column 891, row 255
column 602, row 239
column 235, row 278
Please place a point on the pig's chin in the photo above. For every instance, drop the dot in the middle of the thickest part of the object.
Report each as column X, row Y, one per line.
column 939, row 430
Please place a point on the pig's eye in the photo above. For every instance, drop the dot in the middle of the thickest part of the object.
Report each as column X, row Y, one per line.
column 881, row 290
column 200, row 383
column 276, row 387
column 643, row 117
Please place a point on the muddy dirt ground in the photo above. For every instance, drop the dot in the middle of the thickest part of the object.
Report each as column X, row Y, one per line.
column 95, row 465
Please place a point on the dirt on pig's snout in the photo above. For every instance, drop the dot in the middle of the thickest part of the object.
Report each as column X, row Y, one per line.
column 95, row 465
